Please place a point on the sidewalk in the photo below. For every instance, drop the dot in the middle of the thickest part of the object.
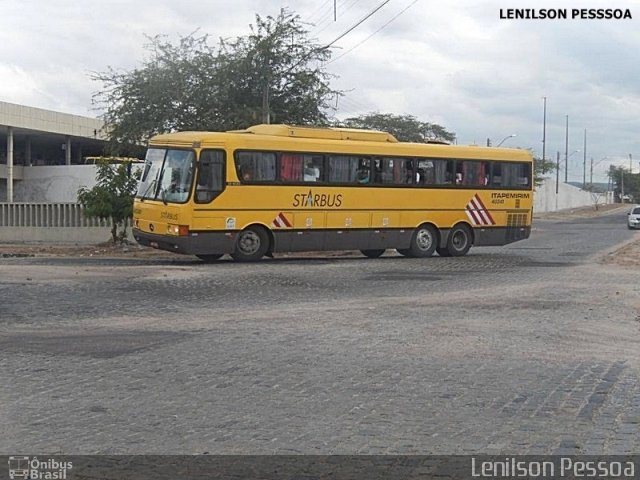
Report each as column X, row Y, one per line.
column 582, row 212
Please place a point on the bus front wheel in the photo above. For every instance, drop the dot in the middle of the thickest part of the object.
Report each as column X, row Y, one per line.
column 251, row 245
column 459, row 241
column 372, row 253
column 210, row 257
column 423, row 241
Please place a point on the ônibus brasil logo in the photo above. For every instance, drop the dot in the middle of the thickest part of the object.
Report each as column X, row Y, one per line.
column 34, row 469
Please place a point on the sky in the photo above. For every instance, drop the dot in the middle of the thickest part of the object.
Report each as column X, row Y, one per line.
column 456, row 63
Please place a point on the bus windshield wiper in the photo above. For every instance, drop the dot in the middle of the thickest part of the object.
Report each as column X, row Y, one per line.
column 151, row 184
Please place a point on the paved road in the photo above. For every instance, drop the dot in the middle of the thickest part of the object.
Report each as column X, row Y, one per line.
column 529, row 348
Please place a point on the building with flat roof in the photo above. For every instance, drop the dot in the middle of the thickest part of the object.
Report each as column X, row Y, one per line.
column 36, row 141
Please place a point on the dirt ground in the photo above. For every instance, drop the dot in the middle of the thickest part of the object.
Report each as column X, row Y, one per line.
column 627, row 256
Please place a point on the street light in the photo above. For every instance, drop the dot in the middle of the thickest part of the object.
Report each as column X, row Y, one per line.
column 506, row 138
column 595, row 165
column 501, row 141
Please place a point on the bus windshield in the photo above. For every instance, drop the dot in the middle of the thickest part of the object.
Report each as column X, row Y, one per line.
column 167, row 175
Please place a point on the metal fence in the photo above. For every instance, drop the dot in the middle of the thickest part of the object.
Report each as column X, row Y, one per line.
column 47, row 215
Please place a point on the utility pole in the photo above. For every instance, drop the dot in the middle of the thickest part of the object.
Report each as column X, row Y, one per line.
column 630, row 165
column 591, row 172
column 557, row 171
column 544, row 127
column 566, row 152
column 584, row 162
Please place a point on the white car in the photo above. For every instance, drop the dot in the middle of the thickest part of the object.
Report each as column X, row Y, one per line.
column 633, row 217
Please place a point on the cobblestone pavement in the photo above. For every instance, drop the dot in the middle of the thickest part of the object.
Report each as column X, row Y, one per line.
column 528, row 348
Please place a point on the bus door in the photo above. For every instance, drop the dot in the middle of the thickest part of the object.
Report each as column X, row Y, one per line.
column 211, row 178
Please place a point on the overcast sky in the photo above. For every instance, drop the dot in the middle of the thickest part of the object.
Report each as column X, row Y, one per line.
column 454, row 63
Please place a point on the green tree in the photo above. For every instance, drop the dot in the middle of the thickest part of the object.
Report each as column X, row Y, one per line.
column 625, row 183
column 541, row 169
column 272, row 73
column 406, row 128
column 112, row 196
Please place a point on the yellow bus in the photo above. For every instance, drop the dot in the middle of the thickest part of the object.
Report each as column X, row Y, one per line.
column 280, row 188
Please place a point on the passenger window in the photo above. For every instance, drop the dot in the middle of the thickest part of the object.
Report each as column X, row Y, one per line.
column 349, row 169
column 429, row 171
column 393, row 171
column 511, row 175
column 475, row 173
column 291, row 167
column 256, row 166
column 515, row 175
column 300, row 167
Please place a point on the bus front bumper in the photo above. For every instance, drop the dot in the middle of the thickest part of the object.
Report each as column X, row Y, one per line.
column 196, row 243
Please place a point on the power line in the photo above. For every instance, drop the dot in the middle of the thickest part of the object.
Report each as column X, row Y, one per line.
column 319, row 8
column 358, row 24
column 306, row 57
column 326, row 21
column 382, row 27
column 353, row 104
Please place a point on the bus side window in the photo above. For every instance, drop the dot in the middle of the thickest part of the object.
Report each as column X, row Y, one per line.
column 210, row 181
column 475, row 173
column 260, row 166
column 313, row 168
column 291, row 167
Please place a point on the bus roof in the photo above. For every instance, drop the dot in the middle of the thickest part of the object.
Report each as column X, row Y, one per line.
column 332, row 140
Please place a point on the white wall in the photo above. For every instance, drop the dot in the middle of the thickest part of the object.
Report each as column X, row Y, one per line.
column 53, row 184
column 545, row 198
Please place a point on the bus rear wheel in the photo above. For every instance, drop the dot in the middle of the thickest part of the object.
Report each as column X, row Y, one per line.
column 423, row 242
column 459, row 241
column 404, row 252
column 210, row 257
column 443, row 251
column 251, row 245
column 372, row 253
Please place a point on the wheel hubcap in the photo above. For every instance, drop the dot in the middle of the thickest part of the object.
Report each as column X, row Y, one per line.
column 424, row 240
column 249, row 243
column 459, row 240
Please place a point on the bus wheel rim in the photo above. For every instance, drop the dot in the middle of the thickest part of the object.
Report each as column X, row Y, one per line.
column 249, row 243
column 459, row 240
column 424, row 239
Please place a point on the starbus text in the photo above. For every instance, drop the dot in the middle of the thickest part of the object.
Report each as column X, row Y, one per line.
column 317, row 200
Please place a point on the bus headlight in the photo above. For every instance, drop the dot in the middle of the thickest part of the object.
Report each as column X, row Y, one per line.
column 178, row 230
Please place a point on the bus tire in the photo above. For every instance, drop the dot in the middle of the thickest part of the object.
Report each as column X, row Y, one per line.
column 251, row 245
column 423, row 241
column 373, row 253
column 404, row 252
column 210, row 257
column 460, row 240
column 443, row 251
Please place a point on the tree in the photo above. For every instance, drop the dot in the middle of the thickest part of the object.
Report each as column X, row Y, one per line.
column 626, row 184
column 406, row 128
column 272, row 73
column 112, row 196
column 540, row 169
